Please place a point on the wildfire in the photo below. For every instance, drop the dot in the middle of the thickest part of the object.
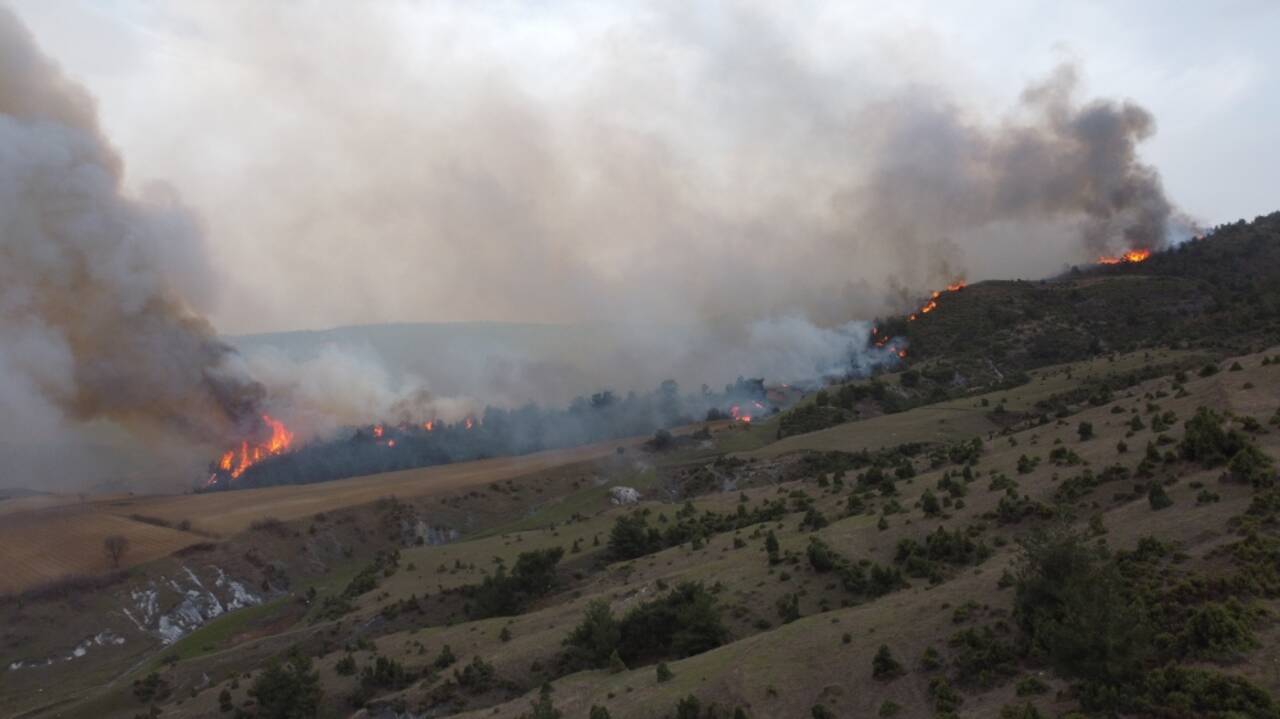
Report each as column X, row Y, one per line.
column 735, row 411
column 1130, row 257
column 932, row 304
column 469, row 423
column 429, row 425
column 235, row 461
column 377, row 431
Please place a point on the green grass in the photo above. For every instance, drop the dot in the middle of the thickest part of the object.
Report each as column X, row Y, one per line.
column 584, row 502
column 217, row 634
column 752, row 437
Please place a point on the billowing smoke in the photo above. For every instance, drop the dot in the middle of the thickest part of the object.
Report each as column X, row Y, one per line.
column 99, row 291
column 342, row 386
column 1053, row 164
column 633, row 165
column 702, row 195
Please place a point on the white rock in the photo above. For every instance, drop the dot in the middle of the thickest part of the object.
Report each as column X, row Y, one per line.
column 623, row 495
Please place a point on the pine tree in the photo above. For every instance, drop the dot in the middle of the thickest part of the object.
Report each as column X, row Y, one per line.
column 616, row 665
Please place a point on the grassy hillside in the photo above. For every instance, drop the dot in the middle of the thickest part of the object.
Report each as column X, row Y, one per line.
column 1065, row 506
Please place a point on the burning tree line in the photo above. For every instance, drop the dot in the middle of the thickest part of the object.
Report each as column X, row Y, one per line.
column 495, row 432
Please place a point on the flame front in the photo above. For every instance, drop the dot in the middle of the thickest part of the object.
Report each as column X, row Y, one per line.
column 1131, row 257
column 235, row 461
column 932, row 304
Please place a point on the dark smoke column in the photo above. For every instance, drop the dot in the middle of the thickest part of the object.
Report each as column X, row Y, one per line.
column 92, row 322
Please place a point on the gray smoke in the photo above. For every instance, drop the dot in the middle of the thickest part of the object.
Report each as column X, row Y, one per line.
column 1055, row 161
column 696, row 189
column 97, row 288
column 642, row 165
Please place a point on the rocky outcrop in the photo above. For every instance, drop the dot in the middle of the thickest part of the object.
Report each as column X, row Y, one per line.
column 168, row 608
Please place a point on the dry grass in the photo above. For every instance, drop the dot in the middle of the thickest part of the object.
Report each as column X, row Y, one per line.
column 45, row 545
column 48, row 537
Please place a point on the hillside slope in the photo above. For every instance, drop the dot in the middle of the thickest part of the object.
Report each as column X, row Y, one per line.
column 1024, row 522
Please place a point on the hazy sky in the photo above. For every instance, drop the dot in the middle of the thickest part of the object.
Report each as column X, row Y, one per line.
column 367, row 162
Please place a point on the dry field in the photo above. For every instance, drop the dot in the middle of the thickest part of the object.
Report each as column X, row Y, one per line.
column 41, row 545
column 48, row 537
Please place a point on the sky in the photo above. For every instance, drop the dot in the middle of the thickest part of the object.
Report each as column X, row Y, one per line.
column 580, row 161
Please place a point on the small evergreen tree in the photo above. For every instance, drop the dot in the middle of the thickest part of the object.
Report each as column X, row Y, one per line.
column 1085, row 430
column 883, row 666
column 543, row 708
column 1157, row 497
column 929, row 504
column 771, row 547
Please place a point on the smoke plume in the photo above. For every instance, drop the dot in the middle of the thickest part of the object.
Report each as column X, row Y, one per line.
column 701, row 195
column 92, row 322
column 1055, row 163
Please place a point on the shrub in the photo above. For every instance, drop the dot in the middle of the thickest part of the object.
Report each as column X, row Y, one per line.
column 789, row 608
column 1085, row 430
column 684, row 622
column 1030, row 686
column 821, row 556
column 224, row 701
column 889, row 708
column 503, row 594
column 771, row 547
column 1071, row 604
column 1216, row 631
column 945, row 698
column 884, row 667
column 1206, row 441
column 929, row 504
column 151, row 688
column 664, row 672
column 931, row 659
column 476, row 677
column 543, row 708
column 287, row 690
column 594, row 640
column 1157, row 497
column 346, row 666
column 1197, row 692
column 1252, row 466
column 981, row 658
column 445, row 658
column 1025, row 710
column 689, row 708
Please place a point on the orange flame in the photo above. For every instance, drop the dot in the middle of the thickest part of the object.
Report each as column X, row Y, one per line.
column 429, row 425
column 377, row 431
column 932, row 304
column 1132, row 256
column 469, row 423
column 236, row 461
